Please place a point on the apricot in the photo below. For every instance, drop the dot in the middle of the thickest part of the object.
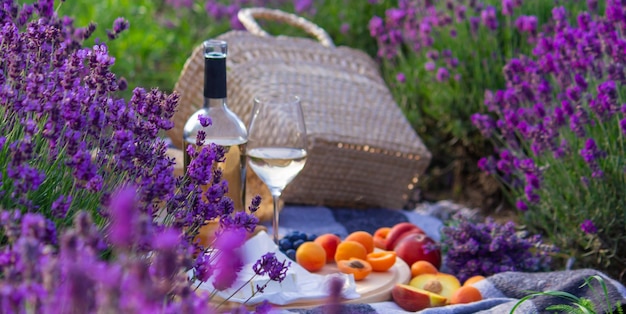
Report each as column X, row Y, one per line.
column 329, row 242
column 382, row 260
column 380, row 237
column 472, row 280
column 348, row 249
column 423, row 267
column 311, row 256
column 364, row 238
column 466, row 294
column 439, row 283
column 357, row 267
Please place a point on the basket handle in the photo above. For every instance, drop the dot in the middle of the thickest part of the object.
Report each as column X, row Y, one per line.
column 248, row 16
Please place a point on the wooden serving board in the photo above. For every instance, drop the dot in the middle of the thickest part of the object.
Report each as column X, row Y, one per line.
column 376, row 287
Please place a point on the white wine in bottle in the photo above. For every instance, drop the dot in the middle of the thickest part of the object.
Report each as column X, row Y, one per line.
column 226, row 129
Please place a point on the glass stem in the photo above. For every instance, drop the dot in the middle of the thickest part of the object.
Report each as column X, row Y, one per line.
column 275, row 198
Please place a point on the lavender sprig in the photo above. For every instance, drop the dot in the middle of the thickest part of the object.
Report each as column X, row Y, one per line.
column 489, row 248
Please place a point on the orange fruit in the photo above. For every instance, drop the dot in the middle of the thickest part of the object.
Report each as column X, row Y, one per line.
column 311, row 256
column 381, row 260
column 472, row 280
column 329, row 242
column 465, row 294
column 349, row 249
column 363, row 237
column 357, row 267
column 423, row 267
column 380, row 237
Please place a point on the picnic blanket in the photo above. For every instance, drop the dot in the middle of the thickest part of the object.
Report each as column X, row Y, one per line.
column 500, row 292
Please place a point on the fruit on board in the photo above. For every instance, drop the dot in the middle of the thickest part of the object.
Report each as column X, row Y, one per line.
column 413, row 299
column 397, row 232
column 348, row 249
column 466, row 294
column 472, row 280
column 422, row 267
column 439, row 283
column 364, row 238
column 329, row 242
column 381, row 260
column 380, row 237
column 290, row 242
column 311, row 256
column 357, row 267
column 418, row 247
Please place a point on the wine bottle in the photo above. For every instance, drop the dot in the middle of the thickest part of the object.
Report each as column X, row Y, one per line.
column 226, row 129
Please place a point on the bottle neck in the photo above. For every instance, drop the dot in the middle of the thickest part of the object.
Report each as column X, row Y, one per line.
column 215, row 77
column 214, row 103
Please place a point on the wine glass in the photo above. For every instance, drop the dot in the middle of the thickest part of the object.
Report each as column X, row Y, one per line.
column 277, row 145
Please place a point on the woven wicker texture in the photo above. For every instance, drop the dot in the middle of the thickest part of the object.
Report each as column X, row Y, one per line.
column 362, row 150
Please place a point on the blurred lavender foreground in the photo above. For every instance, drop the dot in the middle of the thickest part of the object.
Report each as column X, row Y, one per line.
column 93, row 219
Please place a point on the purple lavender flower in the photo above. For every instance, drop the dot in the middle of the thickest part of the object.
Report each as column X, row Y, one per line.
column 588, row 227
column 229, row 260
column 488, row 248
column 376, row 26
column 442, row 74
column 394, row 17
column 591, row 152
column 526, row 24
column 401, row 78
column 204, row 120
column 489, row 17
column 269, row 264
column 265, row 307
column 344, row 28
column 484, row 123
column 460, row 13
column 430, row 66
column 614, row 11
column 487, row 164
column 119, row 25
column 303, row 5
column 474, row 23
column 507, row 7
column 165, row 265
column 123, row 215
column 178, row 4
column 60, row 206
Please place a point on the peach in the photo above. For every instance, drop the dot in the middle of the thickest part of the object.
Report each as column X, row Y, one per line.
column 357, row 267
column 413, row 299
column 439, row 283
column 398, row 231
column 311, row 256
column 466, row 294
column 380, row 237
column 415, row 247
column 422, row 267
column 381, row 260
column 472, row 280
column 350, row 249
column 362, row 237
column 329, row 242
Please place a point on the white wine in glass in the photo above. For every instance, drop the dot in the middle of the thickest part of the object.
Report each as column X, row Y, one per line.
column 277, row 145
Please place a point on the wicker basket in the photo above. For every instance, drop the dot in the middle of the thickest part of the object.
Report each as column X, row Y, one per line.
column 362, row 150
